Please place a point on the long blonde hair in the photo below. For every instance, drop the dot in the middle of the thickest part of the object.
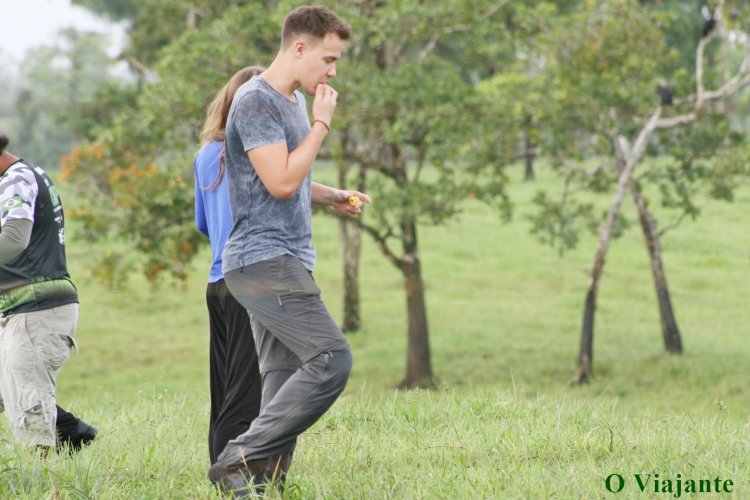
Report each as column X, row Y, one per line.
column 214, row 128
column 218, row 111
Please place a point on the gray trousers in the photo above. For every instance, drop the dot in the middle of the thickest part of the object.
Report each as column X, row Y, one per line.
column 33, row 348
column 303, row 356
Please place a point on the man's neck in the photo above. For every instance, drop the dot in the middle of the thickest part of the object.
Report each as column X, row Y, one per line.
column 277, row 77
column 6, row 160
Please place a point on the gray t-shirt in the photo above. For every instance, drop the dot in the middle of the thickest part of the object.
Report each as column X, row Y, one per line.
column 264, row 226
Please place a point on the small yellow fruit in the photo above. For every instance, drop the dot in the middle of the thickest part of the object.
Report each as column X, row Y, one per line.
column 354, row 201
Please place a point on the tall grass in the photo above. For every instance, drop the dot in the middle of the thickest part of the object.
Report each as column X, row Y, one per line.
column 446, row 444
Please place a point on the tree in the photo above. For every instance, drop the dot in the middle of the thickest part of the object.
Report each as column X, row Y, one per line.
column 54, row 81
column 411, row 120
column 607, row 102
column 478, row 50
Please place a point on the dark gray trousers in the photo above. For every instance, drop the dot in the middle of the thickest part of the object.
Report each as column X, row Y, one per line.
column 303, row 356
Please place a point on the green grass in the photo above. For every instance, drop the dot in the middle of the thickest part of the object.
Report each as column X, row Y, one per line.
column 446, row 444
column 504, row 317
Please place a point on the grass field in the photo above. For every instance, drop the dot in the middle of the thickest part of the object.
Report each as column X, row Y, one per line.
column 504, row 318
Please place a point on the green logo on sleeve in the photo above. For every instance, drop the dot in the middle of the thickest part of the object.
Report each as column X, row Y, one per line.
column 11, row 203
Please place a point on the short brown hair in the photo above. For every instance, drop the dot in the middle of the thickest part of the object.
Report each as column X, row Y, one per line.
column 316, row 21
column 3, row 142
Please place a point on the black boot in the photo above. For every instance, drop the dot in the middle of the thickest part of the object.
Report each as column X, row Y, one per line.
column 72, row 431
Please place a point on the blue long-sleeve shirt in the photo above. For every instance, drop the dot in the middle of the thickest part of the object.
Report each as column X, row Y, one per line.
column 213, row 215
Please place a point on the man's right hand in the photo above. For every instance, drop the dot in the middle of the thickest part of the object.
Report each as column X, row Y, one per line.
column 325, row 103
column 282, row 172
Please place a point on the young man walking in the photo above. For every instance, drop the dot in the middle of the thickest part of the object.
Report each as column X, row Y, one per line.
column 38, row 307
column 269, row 257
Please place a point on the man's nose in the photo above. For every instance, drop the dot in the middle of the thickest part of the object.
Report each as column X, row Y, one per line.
column 332, row 72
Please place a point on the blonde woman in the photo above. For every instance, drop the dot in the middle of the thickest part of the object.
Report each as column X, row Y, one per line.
column 234, row 377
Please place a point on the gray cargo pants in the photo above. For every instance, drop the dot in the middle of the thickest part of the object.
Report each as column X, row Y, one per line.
column 303, row 356
column 33, row 348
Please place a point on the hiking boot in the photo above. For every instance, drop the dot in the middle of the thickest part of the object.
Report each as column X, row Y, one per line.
column 76, row 439
column 276, row 470
column 241, row 478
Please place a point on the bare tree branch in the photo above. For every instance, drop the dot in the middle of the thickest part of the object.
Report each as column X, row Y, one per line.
column 739, row 80
column 381, row 240
column 699, row 56
column 676, row 120
column 428, row 48
column 673, row 225
column 640, row 143
column 734, row 84
column 730, row 87
column 141, row 68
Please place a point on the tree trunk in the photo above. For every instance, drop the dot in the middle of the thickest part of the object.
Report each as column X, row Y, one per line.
column 528, row 174
column 418, row 363
column 584, row 370
column 530, row 145
column 351, row 243
column 586, row 349
column 669, row 328
column 350, row 236
column 193, row 15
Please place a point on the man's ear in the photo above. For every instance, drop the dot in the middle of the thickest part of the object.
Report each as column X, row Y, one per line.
column 300, row 46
